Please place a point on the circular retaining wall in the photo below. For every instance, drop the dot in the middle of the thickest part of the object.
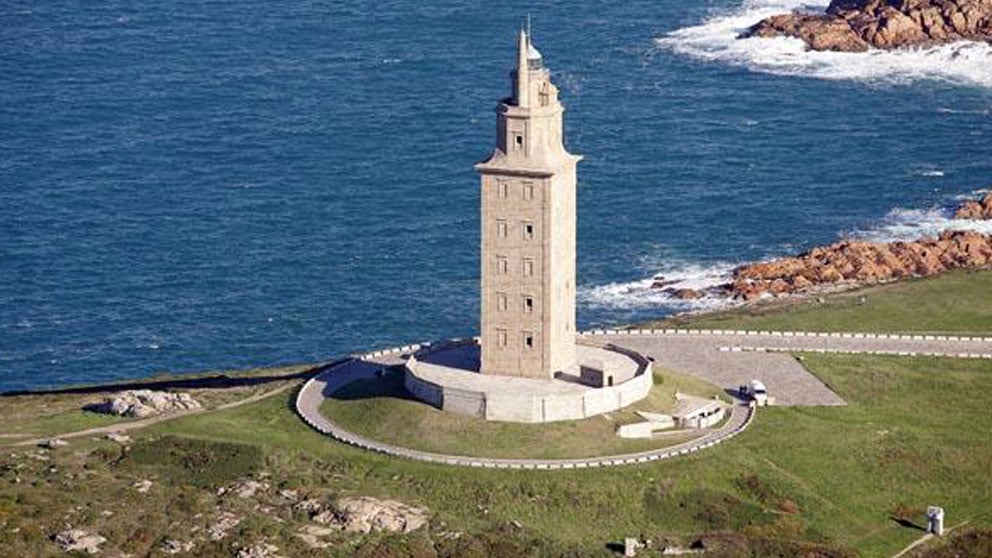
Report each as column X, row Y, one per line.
column 524, row 400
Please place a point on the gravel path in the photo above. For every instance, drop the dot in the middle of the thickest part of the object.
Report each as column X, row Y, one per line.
column 316, row 391
column 731, row 359
column 727, row 359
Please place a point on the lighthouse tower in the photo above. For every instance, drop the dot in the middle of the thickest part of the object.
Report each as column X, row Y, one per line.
column 528, row 231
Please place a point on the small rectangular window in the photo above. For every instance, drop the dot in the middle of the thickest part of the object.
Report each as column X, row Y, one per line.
column 503, row 189
column 528, row 190
column 528, row 267
column 501, row 301
column 528, row 340
column 518, row 141
column 502, row 266
column 501, row 337
column 501, row 229
column 528, row 304
column 528, row 230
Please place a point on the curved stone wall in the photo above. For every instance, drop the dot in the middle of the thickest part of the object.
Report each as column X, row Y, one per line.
column 314, row 391
column 529, row 407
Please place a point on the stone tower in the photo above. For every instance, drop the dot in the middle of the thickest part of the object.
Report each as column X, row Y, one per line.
column 528, row 231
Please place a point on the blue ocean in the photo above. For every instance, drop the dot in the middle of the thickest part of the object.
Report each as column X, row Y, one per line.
column 212, row 185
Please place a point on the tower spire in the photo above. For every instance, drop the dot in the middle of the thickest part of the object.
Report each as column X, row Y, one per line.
column 523, row 77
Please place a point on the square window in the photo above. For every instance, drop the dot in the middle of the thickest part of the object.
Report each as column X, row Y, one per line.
column 528, row 230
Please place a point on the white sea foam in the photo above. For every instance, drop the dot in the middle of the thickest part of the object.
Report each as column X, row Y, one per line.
column 716, row 39
column 638, row 295
column 899, row 224
column 911, row 224
column 932, row 173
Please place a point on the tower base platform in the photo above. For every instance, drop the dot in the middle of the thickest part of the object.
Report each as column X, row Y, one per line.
column 605, row 378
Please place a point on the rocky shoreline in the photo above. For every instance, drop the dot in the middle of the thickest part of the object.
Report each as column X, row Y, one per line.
column 858, row 25
column 855, row 263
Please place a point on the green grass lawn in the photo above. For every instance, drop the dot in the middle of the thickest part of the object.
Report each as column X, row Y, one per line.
column 64, row 410
column 959, row 302
column 915, row 433
column 381, row 409
column 802, row 481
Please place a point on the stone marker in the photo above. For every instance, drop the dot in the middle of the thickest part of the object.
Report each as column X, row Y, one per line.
column 935, row 520
column 630, row 546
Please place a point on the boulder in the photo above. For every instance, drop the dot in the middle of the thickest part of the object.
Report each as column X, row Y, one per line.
column 976, row 209
column 77, row 540
column 366, row 514
column 857, row 25
column 861, row 263
column 173, row 546
column 259, row 550
column 145, row 403
column 119, row 438
column 224, row 523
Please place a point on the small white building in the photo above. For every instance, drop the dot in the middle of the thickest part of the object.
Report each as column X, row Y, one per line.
column 698, row 412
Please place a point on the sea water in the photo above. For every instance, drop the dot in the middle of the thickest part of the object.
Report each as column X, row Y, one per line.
column 209, row 185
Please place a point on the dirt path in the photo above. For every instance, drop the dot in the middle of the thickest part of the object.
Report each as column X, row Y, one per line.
column 144, row 423
column 924, row 539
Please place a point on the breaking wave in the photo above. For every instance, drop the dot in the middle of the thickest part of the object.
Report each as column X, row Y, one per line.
column 642, row 294
column 715, row 39
column 911, row 224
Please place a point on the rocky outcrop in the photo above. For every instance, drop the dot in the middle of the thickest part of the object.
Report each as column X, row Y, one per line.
column 145, row 403
column 862, row 263
column 77, row 540
column 976, row 209
column 857, row 25
column 366, row 514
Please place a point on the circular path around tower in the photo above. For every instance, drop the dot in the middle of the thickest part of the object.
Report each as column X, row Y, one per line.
column 725, row 358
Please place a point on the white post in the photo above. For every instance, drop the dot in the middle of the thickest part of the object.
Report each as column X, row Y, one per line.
column 935, row 520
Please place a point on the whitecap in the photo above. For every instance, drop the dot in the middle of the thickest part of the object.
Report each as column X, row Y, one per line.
column 934, row 173
column 641, row 294
column 902, row 224
column 964, row 62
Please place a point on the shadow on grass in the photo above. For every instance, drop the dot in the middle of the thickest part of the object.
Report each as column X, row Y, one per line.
column 903, row 522
column 387, row 383
column 218, row 381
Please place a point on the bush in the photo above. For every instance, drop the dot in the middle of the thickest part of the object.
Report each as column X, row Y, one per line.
column 200, row 463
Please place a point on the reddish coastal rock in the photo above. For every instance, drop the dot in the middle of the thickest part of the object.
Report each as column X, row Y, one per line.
column 862, row 263
column 976, row 209
column 857, row 25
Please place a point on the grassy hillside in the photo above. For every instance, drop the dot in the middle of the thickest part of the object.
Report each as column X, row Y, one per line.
column 959, row 302
column 825, row 482
column 383, row 410
column 915, row 434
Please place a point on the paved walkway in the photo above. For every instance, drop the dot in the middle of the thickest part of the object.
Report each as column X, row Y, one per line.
column 730, row 359
column 320, row 388
column 725, row 358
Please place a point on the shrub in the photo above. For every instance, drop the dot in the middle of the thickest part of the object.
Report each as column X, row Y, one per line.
column 200, row 463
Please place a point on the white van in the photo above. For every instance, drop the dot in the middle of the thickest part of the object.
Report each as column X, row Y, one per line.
column 757, row 392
